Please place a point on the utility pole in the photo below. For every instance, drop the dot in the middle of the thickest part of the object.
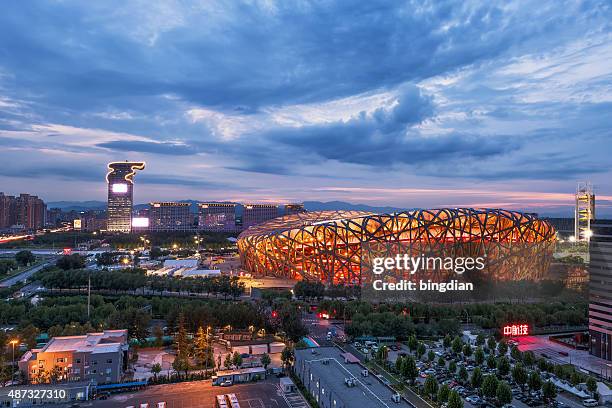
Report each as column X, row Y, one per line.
column 88, row 295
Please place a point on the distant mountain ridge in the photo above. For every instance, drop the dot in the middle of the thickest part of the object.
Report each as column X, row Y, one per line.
column 309, row 205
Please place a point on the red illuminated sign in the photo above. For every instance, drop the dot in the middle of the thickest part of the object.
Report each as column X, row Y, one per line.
column 516, row 330
column 67, row 251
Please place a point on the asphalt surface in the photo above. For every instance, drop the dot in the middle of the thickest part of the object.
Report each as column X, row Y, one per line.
column 197, row 394
column 25, row 275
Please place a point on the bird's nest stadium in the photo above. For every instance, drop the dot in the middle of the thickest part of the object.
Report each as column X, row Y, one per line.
column 330, row 246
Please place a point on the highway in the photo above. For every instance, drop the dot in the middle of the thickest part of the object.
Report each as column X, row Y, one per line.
column 25, row 275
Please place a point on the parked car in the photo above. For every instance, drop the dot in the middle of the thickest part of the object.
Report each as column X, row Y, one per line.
column 473, row 399
column 590, row 402
column 226, row 383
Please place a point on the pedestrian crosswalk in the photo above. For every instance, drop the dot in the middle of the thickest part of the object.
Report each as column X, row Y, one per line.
column 295, row 400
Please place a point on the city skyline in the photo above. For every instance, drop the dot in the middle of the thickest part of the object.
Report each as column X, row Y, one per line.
column 464, row 105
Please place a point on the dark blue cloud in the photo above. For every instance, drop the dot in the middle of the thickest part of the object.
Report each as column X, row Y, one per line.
column 85, row 56
column 169, row 148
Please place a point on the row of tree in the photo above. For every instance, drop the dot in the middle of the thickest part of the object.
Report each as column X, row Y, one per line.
column 134, row 279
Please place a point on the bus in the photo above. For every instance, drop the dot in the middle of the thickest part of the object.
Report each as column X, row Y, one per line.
column 233, row 401
column 221, row 402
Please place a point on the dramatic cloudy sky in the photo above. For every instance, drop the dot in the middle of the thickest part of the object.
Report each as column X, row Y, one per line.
column 408, row 104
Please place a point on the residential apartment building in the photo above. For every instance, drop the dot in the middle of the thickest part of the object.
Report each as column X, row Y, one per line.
column 98, row 357
column 600, row 289
column 26, row 212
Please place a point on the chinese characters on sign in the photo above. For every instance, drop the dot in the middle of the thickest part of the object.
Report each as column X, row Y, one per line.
column 516, row 330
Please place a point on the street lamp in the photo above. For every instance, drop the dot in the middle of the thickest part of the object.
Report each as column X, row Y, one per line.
column 13, row 343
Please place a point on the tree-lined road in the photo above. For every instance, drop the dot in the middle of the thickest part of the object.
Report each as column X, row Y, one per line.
column 25, row 275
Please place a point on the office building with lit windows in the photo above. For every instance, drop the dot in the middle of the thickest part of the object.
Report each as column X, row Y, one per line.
column 600, row 289
column 254, row 214
column 99, row 357
column 120, row 179
column 217, row 217
column 170, row 216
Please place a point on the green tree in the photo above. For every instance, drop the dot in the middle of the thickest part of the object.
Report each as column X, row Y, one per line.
column 69, row 262
column 591, row 385
column 452, row 367
column 287, row 357
column 504, row 393
column 575, row 378
column 399, row 362
column 24, row 258
column 155, row 370
column 227, row 363
column 491, row 343
column 413, row 343
column 454, row 400
column 477, row 378
column 457, row 345
column 503, row 366
column 516, row 354
column 441, row 362
column 181, row 364
column 420, row 350
column 203, row 349
column 158, row 333
column 463, row 374
column 431, row 386
column 480, row 340
column 431, row 356
column 265, row 360
column 489, row 386
column 491, row 363
column 519, row 374
column 237, row 359
column 549, row 391
column 448, row 340
column 409, row 369
column 467, row 351
column 528, row 358
column 502, row 348
column 180, row 338
column 534, row 381
column 479, row 356
column 443, row 393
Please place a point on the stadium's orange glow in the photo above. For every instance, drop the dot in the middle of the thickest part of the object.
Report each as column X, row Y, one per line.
column 327, row 245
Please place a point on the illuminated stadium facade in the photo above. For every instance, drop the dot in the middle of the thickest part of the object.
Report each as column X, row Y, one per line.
column 330, row 246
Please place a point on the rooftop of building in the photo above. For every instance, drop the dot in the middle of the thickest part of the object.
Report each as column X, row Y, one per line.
column 107, row 341
column 369, row 392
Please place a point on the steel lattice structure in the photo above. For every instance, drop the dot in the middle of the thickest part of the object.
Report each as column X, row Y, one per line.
column 329, row 245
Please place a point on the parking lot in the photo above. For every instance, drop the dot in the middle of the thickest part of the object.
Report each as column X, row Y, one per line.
column 472, row 398
column 200, row 394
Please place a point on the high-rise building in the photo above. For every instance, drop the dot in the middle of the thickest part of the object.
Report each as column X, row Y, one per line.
column 254, row 214
column 217, row 217
column 170, row 216
column 31, row 212
column 293, row 208
column 120, row 179
column 584, row 212
column 7, row 209
column 600, row 289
